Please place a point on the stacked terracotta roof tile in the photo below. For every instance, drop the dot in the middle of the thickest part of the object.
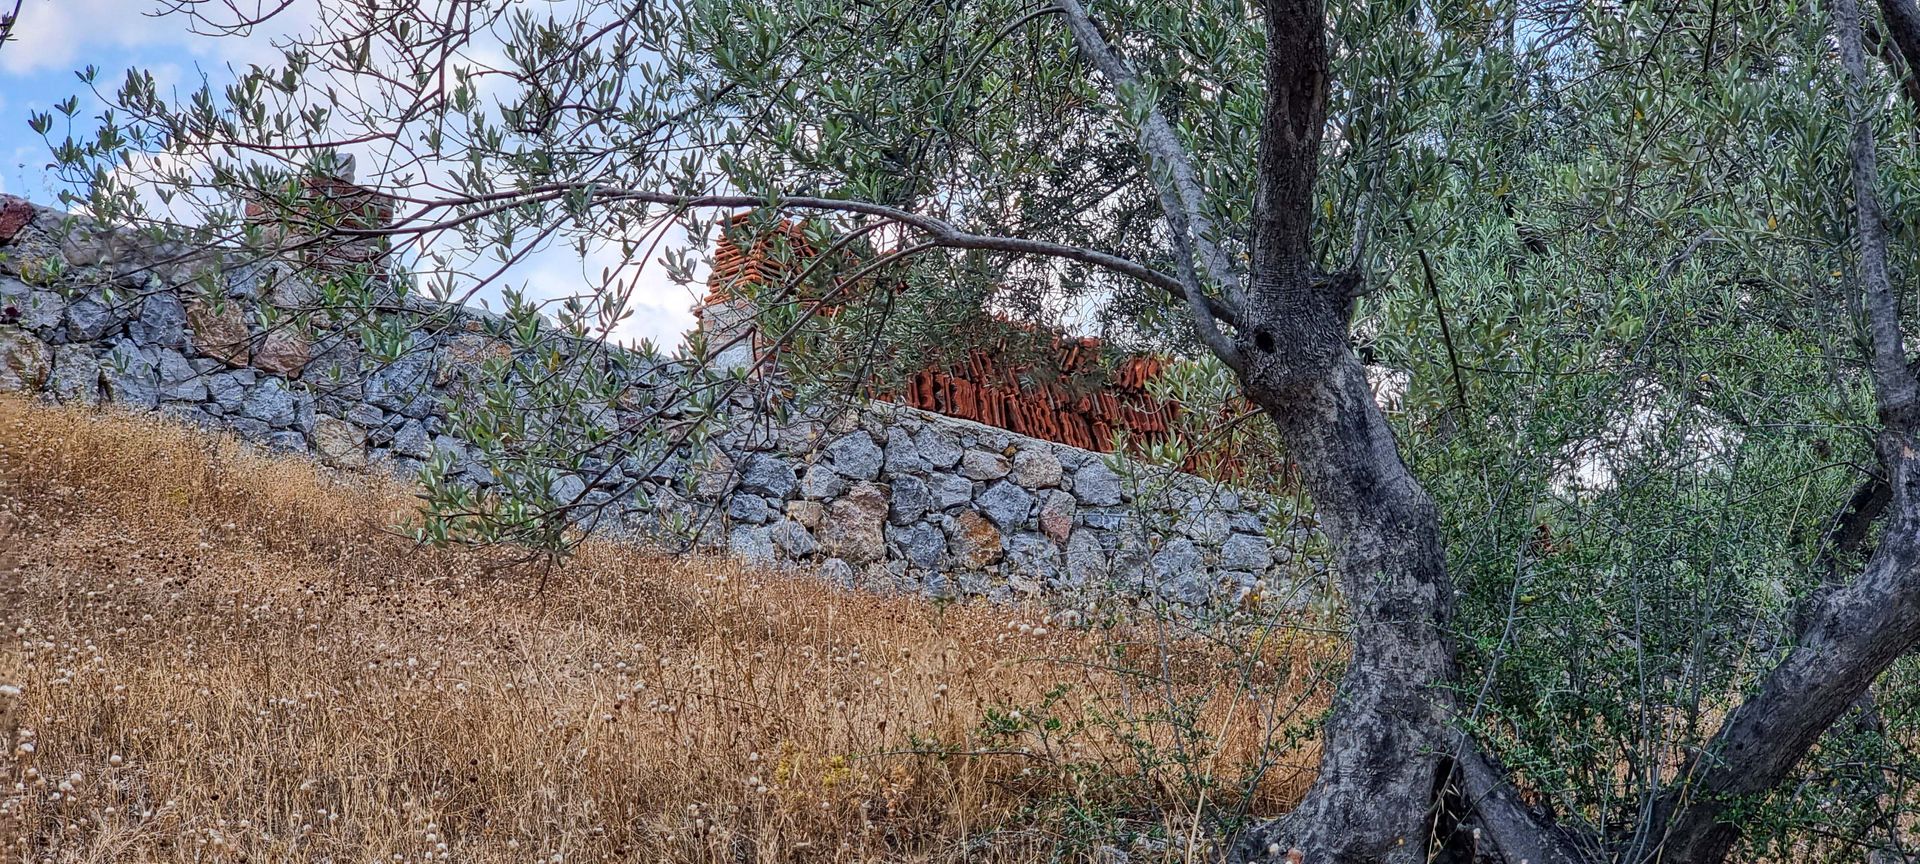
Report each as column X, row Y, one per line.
column 985, row 389
column 733, row 266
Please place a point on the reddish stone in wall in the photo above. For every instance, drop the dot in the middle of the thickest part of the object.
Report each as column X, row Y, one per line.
column 15, row 213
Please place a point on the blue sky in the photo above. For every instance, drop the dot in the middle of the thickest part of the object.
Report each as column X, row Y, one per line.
column 55, row 37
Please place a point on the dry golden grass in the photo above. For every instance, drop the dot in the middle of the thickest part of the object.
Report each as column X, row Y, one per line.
column 208, row 655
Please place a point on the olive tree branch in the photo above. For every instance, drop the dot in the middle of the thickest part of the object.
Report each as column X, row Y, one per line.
column 939, row 232
column 1202, row 261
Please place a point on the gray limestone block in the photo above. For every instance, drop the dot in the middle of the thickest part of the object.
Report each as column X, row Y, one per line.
column 162, row 321
column 89, row 320
column 406, row 467
column 25, row 361
column 838, row 572
column 567, row 489
column 940, row 448
column 1072, row 459
column 130, row 375
column 951, row 490
column 366, row 416
column 335, row 367
column 714, row 477
column 1130, row 560
column 748, row 508
column 1008, row 505
column 752, row 544
column 1035, row 467
column 287, row 441
column 228, row 389
column 245, row 280
column 663, row 468
column 192, row 415
column 903, row 455
column 597, row 510
column 1034, row 556
column 411, row 439
column 453, row 449
column 768, row 474
column 1096, row 485
column 474, row 471
column 793, row 539
column 910, row 500
column 31, row 308
column 1204, row 525
column 990, row 438
column 855, row 455
column 179, row 381
column 821, row 482
column 801, row 436
column 404, row 386
column 249, row 429
column 271, row 402
column 303, row 412
column 1246, row 552
column 1179, row 574
column 938, row 586
column 1087, row 558
column 920, row 543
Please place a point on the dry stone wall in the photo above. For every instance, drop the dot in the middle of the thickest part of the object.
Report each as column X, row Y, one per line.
column 884, row 496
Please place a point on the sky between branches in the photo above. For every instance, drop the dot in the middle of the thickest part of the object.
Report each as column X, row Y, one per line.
column 56, row 37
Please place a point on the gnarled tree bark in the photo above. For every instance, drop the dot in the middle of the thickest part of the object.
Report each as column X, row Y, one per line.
column 1387, row 744
column 1853, row 631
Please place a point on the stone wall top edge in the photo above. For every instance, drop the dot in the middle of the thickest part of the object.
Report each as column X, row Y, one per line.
column 48, row 219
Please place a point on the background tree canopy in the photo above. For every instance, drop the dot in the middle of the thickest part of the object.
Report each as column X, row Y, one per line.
column 1609, row 249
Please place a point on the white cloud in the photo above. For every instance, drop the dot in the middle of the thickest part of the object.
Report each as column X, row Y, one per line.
column 662, row 311
column 52, row 34
column 663, row 322
column 63, row 34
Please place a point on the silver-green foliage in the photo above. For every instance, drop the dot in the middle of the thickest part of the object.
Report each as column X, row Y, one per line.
column 1608, row 244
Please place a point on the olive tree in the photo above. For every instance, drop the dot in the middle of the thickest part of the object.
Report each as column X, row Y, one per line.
column 1638, row 261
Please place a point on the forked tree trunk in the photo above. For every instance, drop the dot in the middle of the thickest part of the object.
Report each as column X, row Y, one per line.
column 1391, row 762
column 1385, row 738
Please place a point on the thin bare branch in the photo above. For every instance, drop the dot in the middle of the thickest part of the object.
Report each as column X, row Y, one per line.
column 1181, row 195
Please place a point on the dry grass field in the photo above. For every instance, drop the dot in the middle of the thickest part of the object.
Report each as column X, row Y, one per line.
column 210, row 655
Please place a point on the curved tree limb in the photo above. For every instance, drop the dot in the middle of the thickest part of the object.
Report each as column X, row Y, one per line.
column 939, row 232
column 7, row 20
column 1514, row 830
column 1852, row 632
column 1902, row 18
column 1896, row 389
column 1181, row 194
column 1291, row 129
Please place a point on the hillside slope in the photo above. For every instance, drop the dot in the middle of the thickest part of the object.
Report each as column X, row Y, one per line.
column 209, row 655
